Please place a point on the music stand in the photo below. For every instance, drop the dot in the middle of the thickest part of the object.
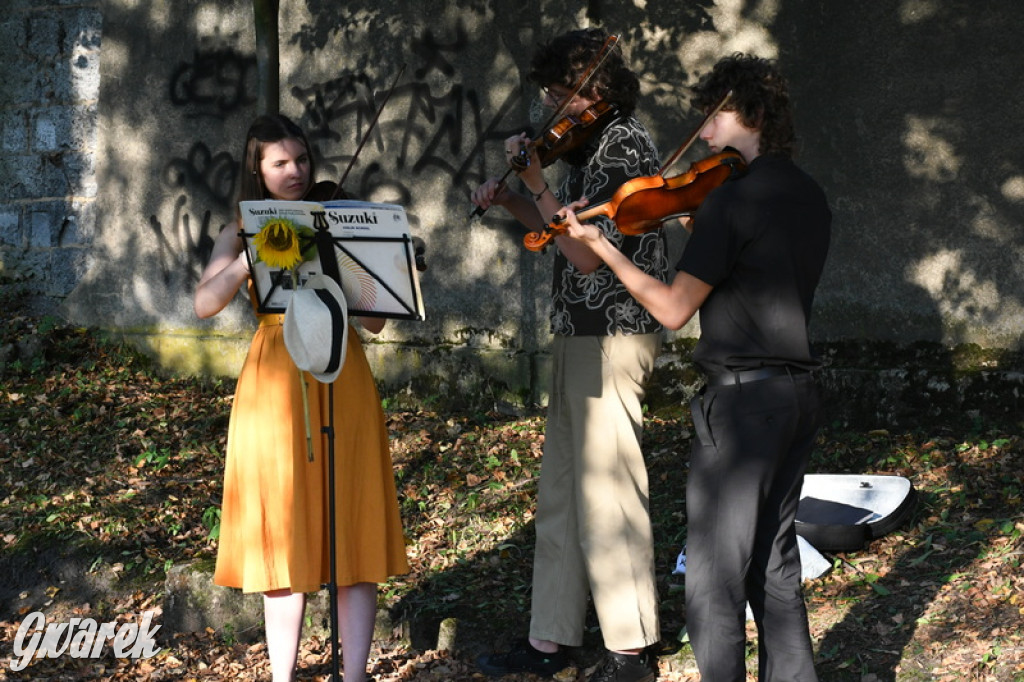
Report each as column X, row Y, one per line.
column 373, row 250
column 366, row 248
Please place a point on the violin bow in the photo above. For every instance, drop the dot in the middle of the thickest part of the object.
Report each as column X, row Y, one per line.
column 595, row 63
column 366, row 135
column 696, row 133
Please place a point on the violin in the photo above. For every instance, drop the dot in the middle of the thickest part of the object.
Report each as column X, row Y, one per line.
column 568, row 133
column 644, row 204
column 326, row 190
column 565, row 133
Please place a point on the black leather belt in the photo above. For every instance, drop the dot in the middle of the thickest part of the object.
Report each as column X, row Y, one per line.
column 747, row 376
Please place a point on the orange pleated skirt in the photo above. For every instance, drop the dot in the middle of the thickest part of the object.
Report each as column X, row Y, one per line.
column 274, row 531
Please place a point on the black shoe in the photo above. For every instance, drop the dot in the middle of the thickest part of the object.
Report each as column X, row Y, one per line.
column 624, row 668
column 523, row 658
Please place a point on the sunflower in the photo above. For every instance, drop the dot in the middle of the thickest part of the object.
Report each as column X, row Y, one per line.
column 277, row 244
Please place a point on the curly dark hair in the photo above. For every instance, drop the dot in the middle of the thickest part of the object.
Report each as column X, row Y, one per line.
column 760, row 97
column 564, row 59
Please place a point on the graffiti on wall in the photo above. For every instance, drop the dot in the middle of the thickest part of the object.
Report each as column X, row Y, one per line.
column 199, row 186
column 425, row 134
column 214, row 84
column 202, row 177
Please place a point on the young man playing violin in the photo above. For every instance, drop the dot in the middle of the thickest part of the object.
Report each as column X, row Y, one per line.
column 593, row 526
column 751, row 267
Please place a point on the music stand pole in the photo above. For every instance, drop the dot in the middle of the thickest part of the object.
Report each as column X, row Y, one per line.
column 329, row 266
column 332, row 584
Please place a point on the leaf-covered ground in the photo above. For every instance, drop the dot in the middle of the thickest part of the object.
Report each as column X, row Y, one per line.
column 110, row 474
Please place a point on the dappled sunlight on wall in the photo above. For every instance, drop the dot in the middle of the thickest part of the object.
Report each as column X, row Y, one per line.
column 222, row 16
column 972, row 303
column 890, row 133
column 742, row 28
column 1013, row 188
column 734, row 29
column 959, row 292
column 928, row 152
column 915, row 11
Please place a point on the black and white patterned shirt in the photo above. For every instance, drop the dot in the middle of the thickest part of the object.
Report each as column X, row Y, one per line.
column 597, row 304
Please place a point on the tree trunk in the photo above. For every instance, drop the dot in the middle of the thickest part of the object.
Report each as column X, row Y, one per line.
column 268, row 61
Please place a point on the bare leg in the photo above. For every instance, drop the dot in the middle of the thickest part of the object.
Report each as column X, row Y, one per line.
column 283, row 610
column 357, row 612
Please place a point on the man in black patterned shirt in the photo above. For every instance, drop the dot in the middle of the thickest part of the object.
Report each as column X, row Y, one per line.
column 593, row 525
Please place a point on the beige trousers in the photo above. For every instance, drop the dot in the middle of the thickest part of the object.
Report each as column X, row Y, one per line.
column 593, row 524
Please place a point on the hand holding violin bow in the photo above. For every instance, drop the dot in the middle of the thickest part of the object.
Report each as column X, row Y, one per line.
column 563, row 132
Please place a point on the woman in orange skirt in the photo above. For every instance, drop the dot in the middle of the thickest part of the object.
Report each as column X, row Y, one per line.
column 274, row 526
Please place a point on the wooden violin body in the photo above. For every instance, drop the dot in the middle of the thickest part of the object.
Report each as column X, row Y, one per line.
column 644, row 204
column 568, row 133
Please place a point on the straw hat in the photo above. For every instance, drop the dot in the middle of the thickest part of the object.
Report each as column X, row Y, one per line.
column 316, row 328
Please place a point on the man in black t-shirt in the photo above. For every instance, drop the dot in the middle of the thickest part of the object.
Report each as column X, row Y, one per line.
column 751, row 268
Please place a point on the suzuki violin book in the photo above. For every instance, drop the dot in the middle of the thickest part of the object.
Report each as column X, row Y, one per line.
column 371, row 245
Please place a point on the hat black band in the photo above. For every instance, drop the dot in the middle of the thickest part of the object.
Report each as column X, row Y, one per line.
column 338, row 329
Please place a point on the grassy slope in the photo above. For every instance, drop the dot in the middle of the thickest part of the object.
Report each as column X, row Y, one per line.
column 110, row 474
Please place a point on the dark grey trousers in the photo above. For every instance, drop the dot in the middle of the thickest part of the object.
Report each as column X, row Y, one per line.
column 747, row 464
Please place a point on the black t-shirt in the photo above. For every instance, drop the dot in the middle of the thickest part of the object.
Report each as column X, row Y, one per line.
column 761, row 241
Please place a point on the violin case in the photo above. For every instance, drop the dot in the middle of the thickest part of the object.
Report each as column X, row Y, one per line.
column 844, row 512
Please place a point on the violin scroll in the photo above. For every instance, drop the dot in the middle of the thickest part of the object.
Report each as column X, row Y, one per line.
column 538, row 241
column 419, row 251
column 522, row 161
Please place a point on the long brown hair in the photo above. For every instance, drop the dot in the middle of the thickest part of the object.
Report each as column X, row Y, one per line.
column 267, row 129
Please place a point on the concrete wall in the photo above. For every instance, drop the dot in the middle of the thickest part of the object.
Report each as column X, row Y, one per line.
column 117, row 180
column 49, row 103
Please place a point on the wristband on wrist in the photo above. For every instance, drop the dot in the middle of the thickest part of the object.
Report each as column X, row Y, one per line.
column 538, row 195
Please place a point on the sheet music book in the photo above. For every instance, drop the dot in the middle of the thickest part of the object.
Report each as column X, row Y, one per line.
column 372, row 247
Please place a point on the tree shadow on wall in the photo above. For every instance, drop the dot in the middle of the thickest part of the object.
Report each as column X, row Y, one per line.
column 464, row 91
column 926, row 211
